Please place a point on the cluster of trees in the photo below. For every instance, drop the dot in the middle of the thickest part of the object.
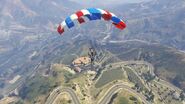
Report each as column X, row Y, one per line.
column 134, row 99
column 182, row 96
column 148, row 77
column 150, row 96
column 113, row 97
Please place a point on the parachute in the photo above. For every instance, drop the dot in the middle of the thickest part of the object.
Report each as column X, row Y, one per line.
column 91, row 14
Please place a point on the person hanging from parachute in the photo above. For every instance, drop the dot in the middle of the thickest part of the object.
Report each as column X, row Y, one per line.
column 92, row 54
column 91, row 14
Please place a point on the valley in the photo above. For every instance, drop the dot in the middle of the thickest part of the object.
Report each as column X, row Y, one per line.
column 145, row 63
column 136, row 76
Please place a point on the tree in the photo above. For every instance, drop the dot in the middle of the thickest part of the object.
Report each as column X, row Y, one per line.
column 150, row 92
column 152, row 98
column 182, row 97
column 137, row 86
column 110, row 66
column 133, row 98
column 69, row 101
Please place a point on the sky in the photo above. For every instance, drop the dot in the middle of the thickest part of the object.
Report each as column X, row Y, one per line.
column 106, row 2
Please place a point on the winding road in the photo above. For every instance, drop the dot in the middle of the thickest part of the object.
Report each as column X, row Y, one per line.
column 106, row 99
column 151, row 69
column 58, row 91
column 114, row 89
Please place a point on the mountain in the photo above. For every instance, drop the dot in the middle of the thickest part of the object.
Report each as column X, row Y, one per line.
column 103, row 3
column 28, row 35
column 168, row 62
column 157, row 21
column 26, row 29
column 35, row 12
column 27, row 24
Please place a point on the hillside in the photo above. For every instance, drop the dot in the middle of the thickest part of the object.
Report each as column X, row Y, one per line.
column 168, row 62
column 36, row 12
column 26, row 31
column 157, row 21
column 30, row 45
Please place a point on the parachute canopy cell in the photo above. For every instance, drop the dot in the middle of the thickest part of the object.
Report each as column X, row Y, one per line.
column 91, row 14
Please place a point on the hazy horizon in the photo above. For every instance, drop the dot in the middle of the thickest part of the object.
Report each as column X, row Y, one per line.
column 108, row 2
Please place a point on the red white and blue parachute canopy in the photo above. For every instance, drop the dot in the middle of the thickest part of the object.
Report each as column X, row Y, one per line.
column 91, row 14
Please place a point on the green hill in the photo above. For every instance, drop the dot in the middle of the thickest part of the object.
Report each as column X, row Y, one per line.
column 169, row 63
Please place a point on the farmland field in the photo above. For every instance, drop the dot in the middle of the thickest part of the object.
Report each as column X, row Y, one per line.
column 108, row 76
